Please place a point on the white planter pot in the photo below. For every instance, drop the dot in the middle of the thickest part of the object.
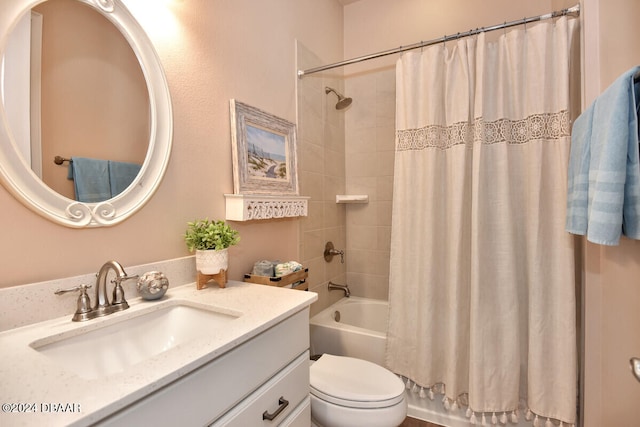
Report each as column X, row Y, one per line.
column 212, row 261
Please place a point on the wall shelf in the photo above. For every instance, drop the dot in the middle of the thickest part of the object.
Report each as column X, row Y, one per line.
column 246, row 207
column 352, row 198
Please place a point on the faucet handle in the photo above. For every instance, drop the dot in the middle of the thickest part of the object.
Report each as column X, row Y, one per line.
column 118, row 301
column 330, row 251
column 83, row 304
column 121, row 279
column 118, row 296
column 82, row 288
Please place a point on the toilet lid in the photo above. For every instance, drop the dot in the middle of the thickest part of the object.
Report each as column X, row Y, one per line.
column 354, row 382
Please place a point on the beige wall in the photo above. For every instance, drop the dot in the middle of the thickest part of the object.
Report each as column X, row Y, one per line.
column 212, row 51
column 612, row 279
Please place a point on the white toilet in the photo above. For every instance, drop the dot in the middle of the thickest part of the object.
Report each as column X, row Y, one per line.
column 349, row 392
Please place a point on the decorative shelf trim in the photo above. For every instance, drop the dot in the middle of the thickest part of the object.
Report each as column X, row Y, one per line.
column 352, row 198
column 245, row 207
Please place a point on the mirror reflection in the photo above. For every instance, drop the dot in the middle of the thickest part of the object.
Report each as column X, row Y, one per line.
column 73, row 87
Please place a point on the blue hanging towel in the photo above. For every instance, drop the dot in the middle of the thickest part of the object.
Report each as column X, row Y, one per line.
column 121, row 175
column 91, row 179
column 603, row 199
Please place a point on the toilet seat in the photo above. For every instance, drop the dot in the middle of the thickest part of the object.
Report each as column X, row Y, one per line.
column 354, row 383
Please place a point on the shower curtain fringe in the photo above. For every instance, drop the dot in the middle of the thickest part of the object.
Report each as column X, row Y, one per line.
column 483, row 418
column 528, row 415
column 447, row 403
column 503, row 418
column 422, row 394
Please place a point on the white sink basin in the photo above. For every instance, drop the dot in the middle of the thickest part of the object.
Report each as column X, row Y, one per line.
column 113, row 348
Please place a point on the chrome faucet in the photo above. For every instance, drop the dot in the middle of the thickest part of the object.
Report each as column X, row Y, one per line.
column 334, row 286
column 118, row 303
column 102, row 306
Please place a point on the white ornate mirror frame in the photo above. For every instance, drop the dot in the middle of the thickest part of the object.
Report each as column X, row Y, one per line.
column 27, row 187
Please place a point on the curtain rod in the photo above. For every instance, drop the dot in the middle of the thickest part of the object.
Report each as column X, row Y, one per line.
column 524, row 21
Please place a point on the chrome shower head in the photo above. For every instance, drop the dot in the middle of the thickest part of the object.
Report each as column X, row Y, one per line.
column 343, row 102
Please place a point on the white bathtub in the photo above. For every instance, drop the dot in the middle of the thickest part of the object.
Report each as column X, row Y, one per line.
column 362, row 333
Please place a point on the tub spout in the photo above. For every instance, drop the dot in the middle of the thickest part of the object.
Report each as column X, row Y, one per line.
column 345, row 288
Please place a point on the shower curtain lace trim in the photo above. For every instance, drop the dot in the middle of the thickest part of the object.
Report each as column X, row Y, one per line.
column 534, row 127
column 482, row 418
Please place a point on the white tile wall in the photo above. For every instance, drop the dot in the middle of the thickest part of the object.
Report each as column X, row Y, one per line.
column 369, row 148
column 346, row 152
column 321, row 146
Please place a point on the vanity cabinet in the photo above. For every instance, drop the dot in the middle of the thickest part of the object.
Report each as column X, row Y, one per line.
column 237, row 388
column 286, row 390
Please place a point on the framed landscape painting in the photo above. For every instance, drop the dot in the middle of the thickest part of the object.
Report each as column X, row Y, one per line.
column 264, row 152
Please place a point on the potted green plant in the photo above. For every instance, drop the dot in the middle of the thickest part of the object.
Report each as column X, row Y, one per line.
column 210, row 239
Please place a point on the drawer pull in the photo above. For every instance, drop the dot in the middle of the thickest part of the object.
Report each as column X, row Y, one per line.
column 283, row 404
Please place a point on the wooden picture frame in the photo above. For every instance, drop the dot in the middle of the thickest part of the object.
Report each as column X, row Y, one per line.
column 264, row 152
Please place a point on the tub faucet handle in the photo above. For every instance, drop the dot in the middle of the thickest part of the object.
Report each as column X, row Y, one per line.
column 330, row 251
column 337, row 252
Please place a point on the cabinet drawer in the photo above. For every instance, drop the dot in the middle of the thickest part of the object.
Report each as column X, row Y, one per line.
column 277, row 398
column 300, row 417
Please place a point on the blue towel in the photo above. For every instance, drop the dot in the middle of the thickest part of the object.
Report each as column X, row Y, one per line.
column 121, row 175
column 90, row 179
column 603, row 197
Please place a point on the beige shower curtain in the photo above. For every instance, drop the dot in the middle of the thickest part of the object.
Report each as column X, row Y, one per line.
column 482, row 297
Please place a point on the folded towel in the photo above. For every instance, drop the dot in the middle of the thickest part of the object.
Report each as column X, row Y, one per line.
column 121, row 175
column 287, row 268
column 603, row 198
column 90, row 179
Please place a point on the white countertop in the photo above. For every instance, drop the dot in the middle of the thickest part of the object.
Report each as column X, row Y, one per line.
column 31, row 381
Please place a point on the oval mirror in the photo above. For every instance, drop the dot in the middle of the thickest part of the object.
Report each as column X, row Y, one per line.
column 146, row 140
